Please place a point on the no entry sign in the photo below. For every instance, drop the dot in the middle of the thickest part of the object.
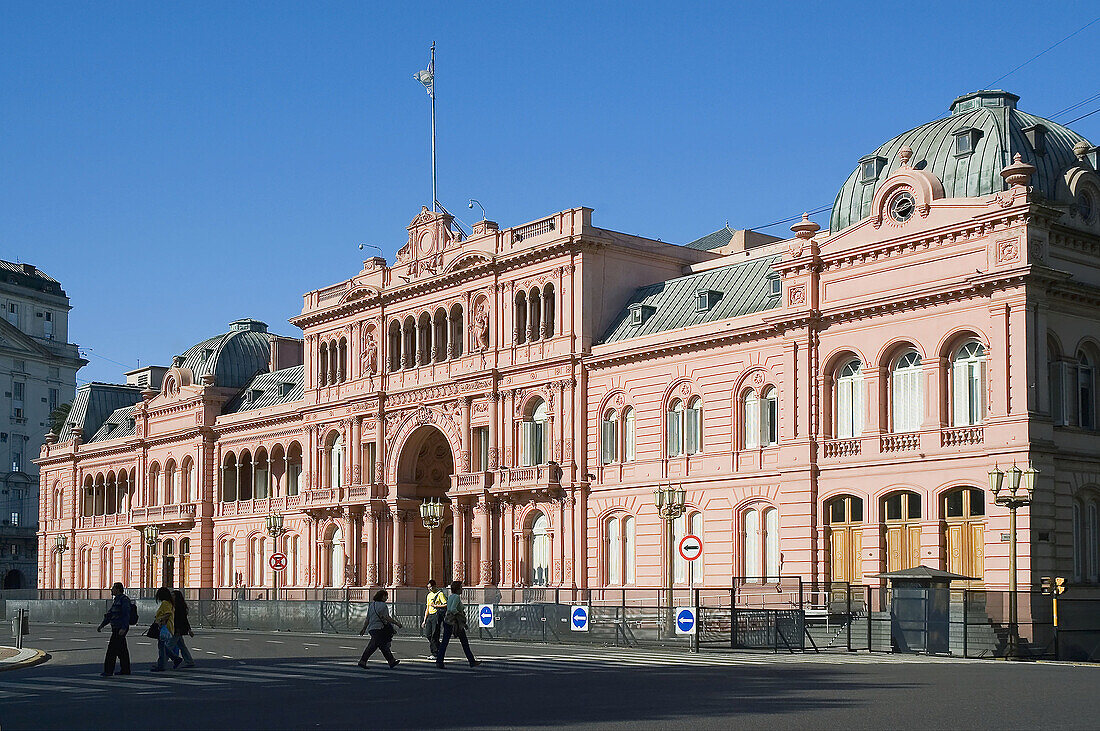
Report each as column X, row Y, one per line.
column 277, row 562
column 691, row 547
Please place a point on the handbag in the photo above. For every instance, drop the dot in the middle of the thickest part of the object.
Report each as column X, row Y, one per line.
column 154, row 631
column 455, row 620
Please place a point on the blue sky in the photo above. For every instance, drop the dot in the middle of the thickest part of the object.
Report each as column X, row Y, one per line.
column 179, row 165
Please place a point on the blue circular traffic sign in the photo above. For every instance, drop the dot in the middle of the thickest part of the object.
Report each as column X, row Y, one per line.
column 486, row 616
column 685, row 620
column 579, row 618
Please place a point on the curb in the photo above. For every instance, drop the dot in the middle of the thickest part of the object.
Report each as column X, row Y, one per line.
column 27, row 658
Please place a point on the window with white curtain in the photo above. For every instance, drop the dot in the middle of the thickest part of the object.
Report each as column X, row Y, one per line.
column 907, row 397
column 1057, row 382
column 539, row 550
column 614, row 545
column 760, row 416
column 629, row 567
column 228, row 571
column 753, row 571
column 628, row 434
column 675, row 428
column 533, row 433
column 771, row 544
column 968, row 375
column 751, row 410
column 1085, row 408
column 609, row 437
column 336, row 462
column 849, row 400
column 258, row 562
column 693, row 426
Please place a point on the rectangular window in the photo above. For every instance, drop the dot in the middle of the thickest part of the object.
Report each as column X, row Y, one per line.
column 674, row 433
column 15, row 517
column 628, row 435
column 607, row 441
column 19, row 366
column 769, row 415
column 47, row 326
column 1084, row 397
column 370, row 450
column 481, row 449
column 752, row 424
column 693, row 426
column 13, row 313
column 54, row 398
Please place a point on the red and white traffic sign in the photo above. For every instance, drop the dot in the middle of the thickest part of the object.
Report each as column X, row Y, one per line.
column 277, row 561
column 691, row 547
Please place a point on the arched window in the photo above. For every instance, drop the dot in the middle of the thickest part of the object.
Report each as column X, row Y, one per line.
column 187, row 489
column 539, row 550
column 968, row 384
column 675, row 428
column 534, row 314
column 686, row 572
column 228, row 573
column 56, row 502
column 1086, row 538
column 693, row 426
column 520, row 332
column 408, row 343
column 760, row 533
column 336, row 558
column 1086, row 407
column 342, row 364
column 85, row 569
column 769, row 418
column 628, row 434
column 106, row 566
column 630, row 571
column 750, row 407
column 154, row 488
column 258, row 562
column 458, row 332
column 440, row 332
column 1056, row 371
column 170, row 478
column 901, row 515
column 88, row 506
column 907, row 396
column 964, row 523
column 292, row 578
column 125, row 577
column 548, row 311
column 844, row 516
column 395, row 346
column 184, row 563
column 424, row 340
column 322, row 364
column 262, row 472
column 334, row 459
column 229, row 479
column 609, row 437
column 110, row 495
column 849, row 400
column 244, row 476
column 614, row 552
column 293, row 468
column 534, row 435
column 168, row 563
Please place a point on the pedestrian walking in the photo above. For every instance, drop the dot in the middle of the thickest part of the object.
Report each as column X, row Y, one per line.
column 454, row 623
column 183, row 627
column 381, row 627
column 120, row 616
column 164, row 630
column 434, row 608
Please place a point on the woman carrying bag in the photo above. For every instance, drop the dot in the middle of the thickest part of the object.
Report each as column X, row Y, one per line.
column 381, row 627
column 163, row 629
column 454, row 623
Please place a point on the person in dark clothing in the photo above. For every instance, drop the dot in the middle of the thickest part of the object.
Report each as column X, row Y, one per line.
column 454, row 623
column 380, row 625
column 183, row 627
column 118, row 616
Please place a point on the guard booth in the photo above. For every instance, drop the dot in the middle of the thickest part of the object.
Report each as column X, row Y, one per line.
column 920, row 609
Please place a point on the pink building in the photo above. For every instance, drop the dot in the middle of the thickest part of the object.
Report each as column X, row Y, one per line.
column 832, row 404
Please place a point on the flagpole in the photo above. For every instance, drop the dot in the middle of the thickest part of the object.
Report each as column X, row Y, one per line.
column 435, row 197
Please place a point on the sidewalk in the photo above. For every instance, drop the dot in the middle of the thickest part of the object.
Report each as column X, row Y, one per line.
column 13, row 659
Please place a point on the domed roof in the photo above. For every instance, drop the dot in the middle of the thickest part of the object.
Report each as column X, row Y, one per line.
column 991, row 129
column 233, row 358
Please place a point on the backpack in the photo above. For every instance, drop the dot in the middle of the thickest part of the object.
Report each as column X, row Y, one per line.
column 133, row 613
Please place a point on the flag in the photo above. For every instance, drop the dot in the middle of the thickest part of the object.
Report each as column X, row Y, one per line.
column 427, row 78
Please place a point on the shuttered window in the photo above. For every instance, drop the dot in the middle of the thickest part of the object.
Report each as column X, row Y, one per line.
column 609, row 433
column 907, row 399
column 968, row 378
column 674, row 427
column 769, row 418
column 694, row 427
column 628, row 434
column 849, row 401
column 751, row 411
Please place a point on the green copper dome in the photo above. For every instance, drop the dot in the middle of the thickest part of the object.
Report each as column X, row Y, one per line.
column 966, row 151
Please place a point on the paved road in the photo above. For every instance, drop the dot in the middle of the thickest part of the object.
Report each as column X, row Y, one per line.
column 280, row 680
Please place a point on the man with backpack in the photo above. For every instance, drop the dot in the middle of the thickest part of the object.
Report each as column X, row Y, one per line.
column 121, row 615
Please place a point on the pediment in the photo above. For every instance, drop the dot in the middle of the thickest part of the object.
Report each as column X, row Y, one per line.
column 15, row 339
column 430, row 235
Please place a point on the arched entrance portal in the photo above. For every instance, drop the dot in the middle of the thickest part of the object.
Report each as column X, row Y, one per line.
column 424, row 473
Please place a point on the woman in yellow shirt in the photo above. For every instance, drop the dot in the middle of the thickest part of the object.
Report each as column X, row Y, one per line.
column 165, row 621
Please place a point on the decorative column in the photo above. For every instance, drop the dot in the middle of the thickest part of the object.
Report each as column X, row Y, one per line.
column 398, row 527
column 581, row 538
column 466, row 446
column 484, row 517
column 458, row 550
column 569, row 539
column 494, row 443
column 370, row 577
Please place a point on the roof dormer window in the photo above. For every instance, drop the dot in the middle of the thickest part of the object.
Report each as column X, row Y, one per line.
column 254, row 395
column 705, row 299
column 966, row 140
column 285, row 388
column 871, row 167
column 639, row 313
column 775, row 286
column 1036, row 136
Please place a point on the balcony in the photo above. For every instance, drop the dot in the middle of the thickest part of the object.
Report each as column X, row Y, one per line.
column 962, row 436
column 472, row 481
column 889, row 443
column 105, row 521
column 835, row 448
column 539, row 477
column 261, row 506
column 183, row 513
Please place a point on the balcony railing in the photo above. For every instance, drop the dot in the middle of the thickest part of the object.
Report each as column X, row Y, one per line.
column 538, row 228
column 543, row 475
column 961, row 436
column 104, row 521
column 260, row 506
column 899, row 442
column 181, row 513
column 840, row 448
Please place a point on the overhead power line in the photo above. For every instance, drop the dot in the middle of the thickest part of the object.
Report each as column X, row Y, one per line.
column 1076, row 119
column 1081, row 103
column 1040, row 53
column 796, row 217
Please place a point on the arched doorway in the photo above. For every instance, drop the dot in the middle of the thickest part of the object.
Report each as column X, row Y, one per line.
column 424, row 472
column 901, row 516
column 844, row 516
column 964, row 531
column 13, row 579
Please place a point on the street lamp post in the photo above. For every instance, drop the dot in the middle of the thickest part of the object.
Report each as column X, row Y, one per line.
column 670, row 506
column 152, row 534
column 431, row 512
column 1016, row 493
column 61, row 544
column 275, row 529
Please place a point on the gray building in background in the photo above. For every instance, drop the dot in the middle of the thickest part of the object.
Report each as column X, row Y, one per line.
column 38, row 368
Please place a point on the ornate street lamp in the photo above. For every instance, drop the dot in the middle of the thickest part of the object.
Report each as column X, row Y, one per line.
column 151, row 534
column 274, row 525
column 1012, row 489
column 431, row 512
column 61, row 544
column 669, row 501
